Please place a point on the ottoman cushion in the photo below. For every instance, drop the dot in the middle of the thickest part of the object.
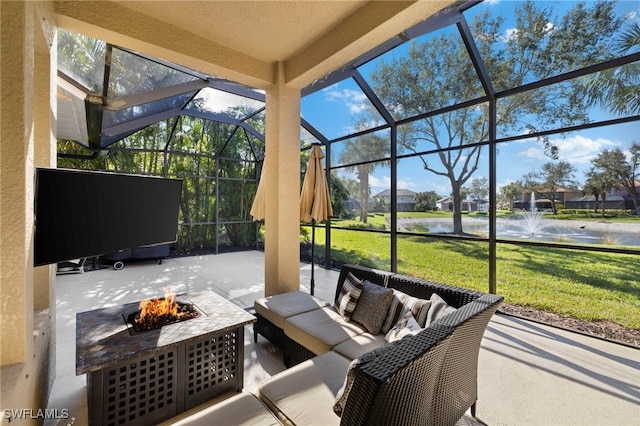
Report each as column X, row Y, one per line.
column 305, row 394
column 320, row 330
column 279, row 307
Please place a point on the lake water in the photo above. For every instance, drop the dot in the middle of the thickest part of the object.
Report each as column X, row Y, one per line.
column 515, row 229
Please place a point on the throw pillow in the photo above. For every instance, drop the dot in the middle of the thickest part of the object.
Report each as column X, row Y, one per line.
column 406, row 326
column 343, row 393
column 349, row 295
column 373, row 306
column 402, row 303
column 439, row 308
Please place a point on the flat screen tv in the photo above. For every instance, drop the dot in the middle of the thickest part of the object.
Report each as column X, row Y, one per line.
column 86, row 213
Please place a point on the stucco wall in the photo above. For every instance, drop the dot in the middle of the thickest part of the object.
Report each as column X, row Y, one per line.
column 27, row 112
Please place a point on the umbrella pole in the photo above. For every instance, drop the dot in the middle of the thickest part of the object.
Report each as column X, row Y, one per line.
column 313, row 246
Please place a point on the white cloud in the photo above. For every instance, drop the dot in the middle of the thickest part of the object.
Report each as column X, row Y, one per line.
column 407, row 184
column 580, row 150
column 354, row 100
column 533, row 153
column 356, row 108
column 510, row 34
column 576, row 149
column 380, row 184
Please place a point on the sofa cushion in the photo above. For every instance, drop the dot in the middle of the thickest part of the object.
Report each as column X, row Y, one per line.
column 349, row 295
column 406, row 326
column 359, row 345
column 373, row 306
column 279, row 307
column 439, row 308
column 305, row 394
column 403, row 303
column 241, row 409
column 320, row 330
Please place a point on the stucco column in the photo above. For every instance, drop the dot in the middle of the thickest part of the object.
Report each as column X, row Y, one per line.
column 16, row 182
column 282, row 178
column 44, row 112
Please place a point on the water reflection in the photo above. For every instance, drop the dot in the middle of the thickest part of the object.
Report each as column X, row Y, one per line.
column 583, row 232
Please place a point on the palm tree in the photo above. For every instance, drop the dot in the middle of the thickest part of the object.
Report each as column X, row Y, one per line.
column 510, row 192
column 618, row 89
column 356, row 153
column 597, row 184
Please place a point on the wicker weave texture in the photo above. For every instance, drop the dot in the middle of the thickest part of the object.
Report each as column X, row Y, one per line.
column 457, row 384
column 428, row 379
column 454, row 296
column 398, row 388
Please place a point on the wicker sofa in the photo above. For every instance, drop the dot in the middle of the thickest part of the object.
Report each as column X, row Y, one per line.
column 310, row 332
column 427, row 378
column 396, row 387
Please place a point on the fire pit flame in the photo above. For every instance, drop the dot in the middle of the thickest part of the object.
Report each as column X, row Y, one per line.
column 158, row 307
column 161, row 311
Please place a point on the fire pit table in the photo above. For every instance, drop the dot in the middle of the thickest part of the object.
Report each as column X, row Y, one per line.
column 141, row 378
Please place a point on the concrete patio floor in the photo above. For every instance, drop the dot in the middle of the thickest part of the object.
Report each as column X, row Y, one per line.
column 529, row 374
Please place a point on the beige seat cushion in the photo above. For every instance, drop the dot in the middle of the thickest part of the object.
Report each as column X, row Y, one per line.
column 244, row 409
column 305, row 394
column 279, row 307
column 320, row 330
column 359, row 345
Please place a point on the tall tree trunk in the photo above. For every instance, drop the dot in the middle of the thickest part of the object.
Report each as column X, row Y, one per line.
column 364, row 196
column 457, row 208
column 636, row 201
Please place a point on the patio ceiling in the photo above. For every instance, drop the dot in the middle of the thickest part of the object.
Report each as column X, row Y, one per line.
column 242, row 40
column 227, row 42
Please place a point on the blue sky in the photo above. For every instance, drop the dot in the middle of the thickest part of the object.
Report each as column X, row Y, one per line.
column 333, row 109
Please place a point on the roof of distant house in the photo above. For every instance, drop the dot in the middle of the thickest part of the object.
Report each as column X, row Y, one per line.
column 387, row 192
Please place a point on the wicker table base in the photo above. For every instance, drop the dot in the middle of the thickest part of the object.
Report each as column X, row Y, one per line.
column 144, row 378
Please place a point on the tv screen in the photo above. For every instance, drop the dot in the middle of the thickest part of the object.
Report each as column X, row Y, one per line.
column 85, row 213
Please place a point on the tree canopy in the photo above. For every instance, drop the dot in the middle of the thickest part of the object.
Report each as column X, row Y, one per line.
column 549, row 179
column 437, row 72
column 620, row 170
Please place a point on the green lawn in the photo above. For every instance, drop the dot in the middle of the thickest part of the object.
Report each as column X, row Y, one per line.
column 585, row 285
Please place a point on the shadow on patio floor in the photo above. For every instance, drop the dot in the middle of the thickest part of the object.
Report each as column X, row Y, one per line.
column 529, row 374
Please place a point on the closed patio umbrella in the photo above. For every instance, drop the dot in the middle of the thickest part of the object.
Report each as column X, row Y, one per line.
column 257, row 209
column 315, row 201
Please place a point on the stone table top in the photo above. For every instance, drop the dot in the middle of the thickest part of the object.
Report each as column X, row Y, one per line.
column 103, row 338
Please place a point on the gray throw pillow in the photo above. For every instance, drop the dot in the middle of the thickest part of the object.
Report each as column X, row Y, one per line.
column 439, row 308
column 373, row 306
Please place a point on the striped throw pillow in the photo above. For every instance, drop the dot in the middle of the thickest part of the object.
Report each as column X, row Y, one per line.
column 349, row 295
column 403, row 303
